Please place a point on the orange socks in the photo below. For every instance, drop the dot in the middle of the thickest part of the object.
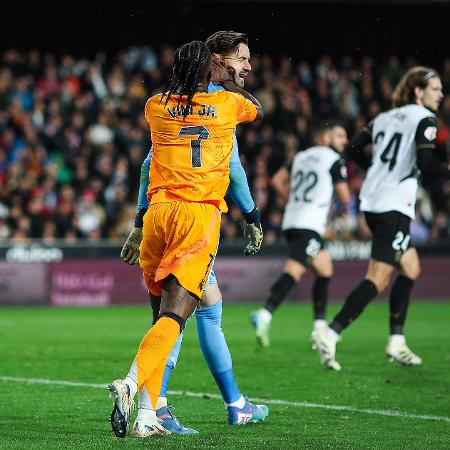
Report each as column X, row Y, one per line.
column 153, row 352
column 153, row 383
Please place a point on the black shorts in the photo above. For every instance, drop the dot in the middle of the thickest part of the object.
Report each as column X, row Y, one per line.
column 303, row 244
column 391, row 236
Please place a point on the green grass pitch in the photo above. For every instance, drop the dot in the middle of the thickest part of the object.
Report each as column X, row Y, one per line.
column 97, row 346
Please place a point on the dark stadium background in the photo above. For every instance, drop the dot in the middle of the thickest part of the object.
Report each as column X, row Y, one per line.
column 297, row 28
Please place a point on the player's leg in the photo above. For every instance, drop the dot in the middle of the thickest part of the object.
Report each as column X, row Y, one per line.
column 398, row 305
column 323, row 268
column 375, row 281
column 177, row 304
column 148, row 367
column 163, row 412
column 303, row 246
column 261, row 318
column 217, row 355
column 388, row 246
column 182, row 268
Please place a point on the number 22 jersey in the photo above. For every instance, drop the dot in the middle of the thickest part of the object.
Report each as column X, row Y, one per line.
column 313, row 174
column 391, row 181
column 191, row 155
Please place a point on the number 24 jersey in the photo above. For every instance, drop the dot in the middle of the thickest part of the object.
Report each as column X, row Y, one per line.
column 391, row 181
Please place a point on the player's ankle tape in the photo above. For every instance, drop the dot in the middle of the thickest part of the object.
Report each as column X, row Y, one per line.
column 175, row 317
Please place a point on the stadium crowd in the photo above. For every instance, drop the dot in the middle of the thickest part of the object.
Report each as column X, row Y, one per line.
column 73, row 137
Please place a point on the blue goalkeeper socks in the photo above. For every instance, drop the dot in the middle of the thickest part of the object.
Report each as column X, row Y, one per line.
column 215, row 350
column 170, row 365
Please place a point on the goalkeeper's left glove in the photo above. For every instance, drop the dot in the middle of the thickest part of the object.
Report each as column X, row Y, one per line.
column 130, row 250
column 253, row 231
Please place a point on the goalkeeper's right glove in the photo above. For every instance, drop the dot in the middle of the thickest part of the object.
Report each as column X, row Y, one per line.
column 130, row 250
column 253, row 232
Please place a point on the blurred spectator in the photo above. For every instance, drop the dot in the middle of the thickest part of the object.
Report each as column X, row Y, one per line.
column 73, row 136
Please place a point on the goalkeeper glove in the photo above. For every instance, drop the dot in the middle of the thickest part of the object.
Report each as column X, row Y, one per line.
column 130, row 250
column 253, row 232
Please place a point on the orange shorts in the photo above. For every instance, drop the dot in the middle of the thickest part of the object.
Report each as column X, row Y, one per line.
column 179, row 238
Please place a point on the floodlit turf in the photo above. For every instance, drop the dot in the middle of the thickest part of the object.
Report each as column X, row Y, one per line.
column 97, row 345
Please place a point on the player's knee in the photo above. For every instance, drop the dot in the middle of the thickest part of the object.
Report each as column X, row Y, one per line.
column 294, row 270
column 412, row 272
column 325, row 272
column 380, row 283
column 181, row 322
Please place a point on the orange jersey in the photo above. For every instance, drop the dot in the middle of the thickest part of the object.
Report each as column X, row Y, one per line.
column 191, row 157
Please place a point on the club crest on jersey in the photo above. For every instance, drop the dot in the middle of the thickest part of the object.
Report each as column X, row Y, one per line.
column 430, row 133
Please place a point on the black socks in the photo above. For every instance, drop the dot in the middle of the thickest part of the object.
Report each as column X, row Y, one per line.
column 320, row 297
column 354, row 305
column 398, row 303
column 279, row 291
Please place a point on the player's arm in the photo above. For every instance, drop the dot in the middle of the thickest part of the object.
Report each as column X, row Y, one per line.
column 239, row 190
column 222, row 77
column 130, row 250
column 281, row 182
column 339, row 176
column 240, row 194
column 425, row 144
column 231, row 87
column 355, row 148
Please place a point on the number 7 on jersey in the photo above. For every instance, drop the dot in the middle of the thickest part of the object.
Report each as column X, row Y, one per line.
column 196, row 144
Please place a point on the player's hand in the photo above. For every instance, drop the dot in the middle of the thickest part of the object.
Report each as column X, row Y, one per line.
column 253, row 231
column 254, row 234
column 130, row 250
column 219, row 73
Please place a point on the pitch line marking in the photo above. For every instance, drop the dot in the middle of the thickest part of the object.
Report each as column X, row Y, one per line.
column 378, row 412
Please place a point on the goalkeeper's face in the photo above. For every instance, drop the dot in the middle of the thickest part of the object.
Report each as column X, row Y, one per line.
column 238, row 64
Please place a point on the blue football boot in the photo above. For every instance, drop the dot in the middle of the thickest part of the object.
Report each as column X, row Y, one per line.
column 171, row 423
column 248, row 414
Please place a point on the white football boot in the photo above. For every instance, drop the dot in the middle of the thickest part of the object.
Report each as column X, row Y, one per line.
column 122, row 404
column 318, row 324
column 148, row 424
column 397, row 350
column 326, row 346
column 260, row 321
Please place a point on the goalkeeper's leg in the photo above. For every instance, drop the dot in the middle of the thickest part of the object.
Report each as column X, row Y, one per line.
column 217, row 356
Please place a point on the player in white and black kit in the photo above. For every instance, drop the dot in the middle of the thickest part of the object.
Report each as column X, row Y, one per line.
column 307, row 184
column 403, row 140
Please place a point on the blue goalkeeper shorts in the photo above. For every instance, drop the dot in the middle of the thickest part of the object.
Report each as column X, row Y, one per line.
column 212, row 278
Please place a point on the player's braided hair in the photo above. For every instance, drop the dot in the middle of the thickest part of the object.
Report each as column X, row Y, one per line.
column 191, row 61
column 415, row 77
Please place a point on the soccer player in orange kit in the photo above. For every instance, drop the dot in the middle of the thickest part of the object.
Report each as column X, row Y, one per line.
column 192, row 137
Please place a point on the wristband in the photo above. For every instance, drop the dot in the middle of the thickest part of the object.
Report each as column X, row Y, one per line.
column 139, row 220
column 253, row 216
